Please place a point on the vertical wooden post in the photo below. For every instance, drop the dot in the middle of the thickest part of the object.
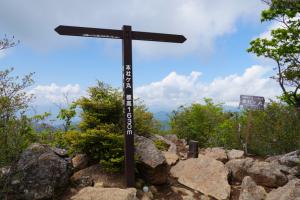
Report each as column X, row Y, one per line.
column 128, row 105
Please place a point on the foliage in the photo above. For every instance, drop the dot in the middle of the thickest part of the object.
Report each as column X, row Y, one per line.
column 144, row 121
column 101, row 145
column 272, row 131
column 15, row 127
column 67, row 114
column 103, row 106
column 161, row 145
column 283, row 46
column 204, row 123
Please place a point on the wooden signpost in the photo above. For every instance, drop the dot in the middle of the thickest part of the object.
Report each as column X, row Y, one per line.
column 127, row 35
column 250, row 103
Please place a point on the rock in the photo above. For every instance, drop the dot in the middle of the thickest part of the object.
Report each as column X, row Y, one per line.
column 238, row 168
column 172, row 145
column 251, row 191
column 147, row 196
column 185, row 194
column 171, row 137
column 153, row 189
column 291, row 191
column 40, row 173
column 183, row 191
column 216, row 153
column 98, row 193
column 295, row 172
column 267, row 174
column 79, row 161
column 60, row 152
column 235, row 154
column 263, row 173
column 151, row 163
column 204, row 174
column 96, row 174
column 290, row 159
column 4, row 171
column 170, row 157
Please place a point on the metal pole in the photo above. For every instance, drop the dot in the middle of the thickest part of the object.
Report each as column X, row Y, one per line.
column 128, row 106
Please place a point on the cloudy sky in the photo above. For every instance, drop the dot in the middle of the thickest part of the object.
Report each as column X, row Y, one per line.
column 213, row 62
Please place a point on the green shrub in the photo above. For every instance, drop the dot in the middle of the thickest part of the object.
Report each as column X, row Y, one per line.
column 274, row 130
column 100, row 145
column 205, row 123
column 161, row 145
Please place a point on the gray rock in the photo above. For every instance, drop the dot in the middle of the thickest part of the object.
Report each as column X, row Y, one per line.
column 291, row 191
column 60, row 152
column 151, row 163
column 290, row 159
column 251, row 191
column 39, row 174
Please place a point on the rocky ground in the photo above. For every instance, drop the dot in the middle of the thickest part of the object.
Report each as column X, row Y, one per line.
column 46, row 173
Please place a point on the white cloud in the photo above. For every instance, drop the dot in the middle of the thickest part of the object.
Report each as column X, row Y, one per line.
column 33, row 22
column 175, row 90
column 55, row 94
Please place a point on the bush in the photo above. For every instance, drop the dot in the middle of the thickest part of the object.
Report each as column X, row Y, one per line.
column 207, row 124
column 274, row 130
column 100, row 145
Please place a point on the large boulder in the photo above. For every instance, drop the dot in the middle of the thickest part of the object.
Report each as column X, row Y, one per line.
column 267, row 174
column 80, row 161
column 291, row 191
column 263, row 173
column 151, row 163
column 96, row 174
column 217, row 153
column 238, row 168
column 99, row 193
column 290, row 159
column 235, row 154
column 251, row 191
column 40, row 173
column 172, row 146
column 205, row 175
column 171, row 158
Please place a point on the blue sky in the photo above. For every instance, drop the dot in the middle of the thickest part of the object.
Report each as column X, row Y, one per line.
column 213, row 62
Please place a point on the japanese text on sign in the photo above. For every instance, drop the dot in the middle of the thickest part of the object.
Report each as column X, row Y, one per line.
column 252, row 102
column 128, row 100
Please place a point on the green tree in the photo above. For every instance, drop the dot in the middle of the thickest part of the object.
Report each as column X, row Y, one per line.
column 67, row 114
column 144, row 122
column 283, row 46
column 15, row 126
column 102, row 106
column 207, row 124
